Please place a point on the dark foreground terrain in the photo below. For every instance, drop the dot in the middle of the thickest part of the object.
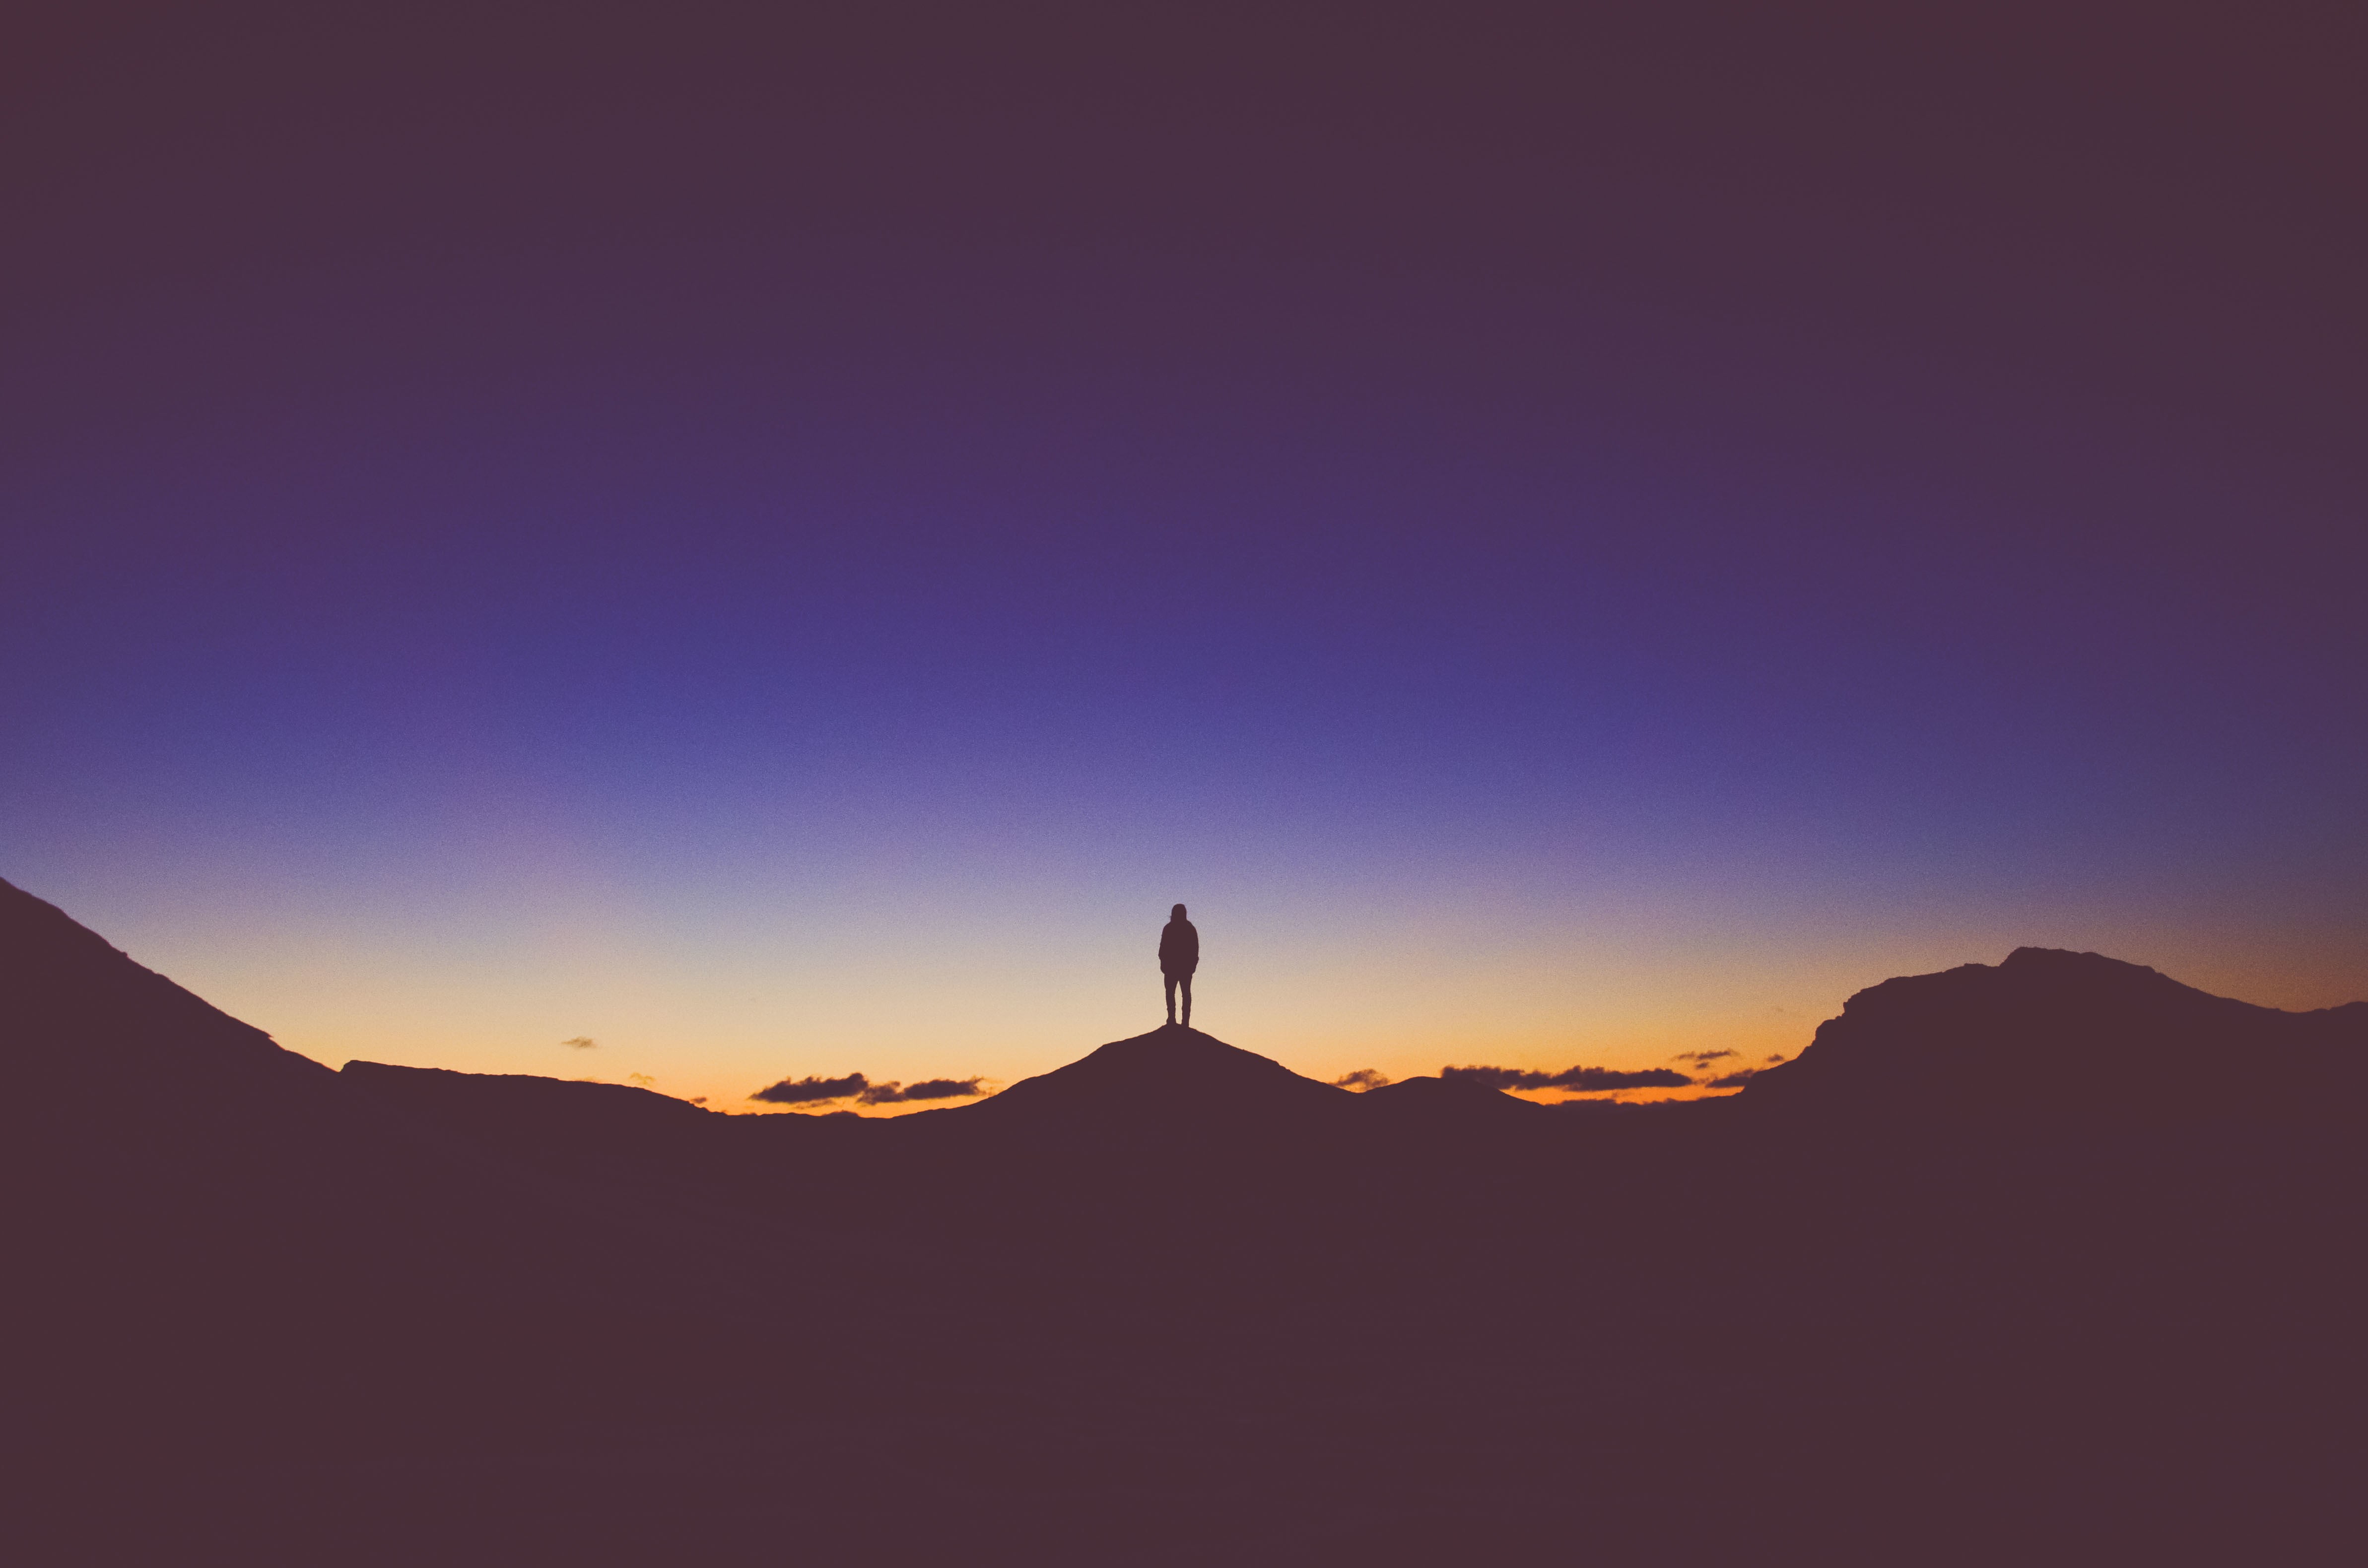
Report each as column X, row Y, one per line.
column 2052, row 1261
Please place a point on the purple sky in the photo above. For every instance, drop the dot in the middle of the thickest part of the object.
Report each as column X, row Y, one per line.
column 784, row 549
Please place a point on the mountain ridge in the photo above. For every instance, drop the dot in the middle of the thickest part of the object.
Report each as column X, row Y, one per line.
column 1171, row 1301
column 2051, row 1033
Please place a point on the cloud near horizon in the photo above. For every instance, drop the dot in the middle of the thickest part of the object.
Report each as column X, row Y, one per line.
column 928, row 1089
column 863, row 1091
column 1700, row 1058
column 1363, row 1078
column 1734, row 1080
column 801, row 1091
column 1577, row 1079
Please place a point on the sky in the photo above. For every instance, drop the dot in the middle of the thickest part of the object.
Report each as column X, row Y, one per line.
column 782, row 540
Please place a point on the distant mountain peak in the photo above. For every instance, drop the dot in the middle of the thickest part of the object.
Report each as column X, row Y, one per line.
column 2050, row 1032
column 2060, row 957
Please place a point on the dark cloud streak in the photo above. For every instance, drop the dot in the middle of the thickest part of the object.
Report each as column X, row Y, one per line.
column 928, row 1089
column 863, row 1091
column 1577, row 1079
column 803, row 1091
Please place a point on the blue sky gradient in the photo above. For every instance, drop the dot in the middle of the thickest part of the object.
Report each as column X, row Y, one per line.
column 630, row 539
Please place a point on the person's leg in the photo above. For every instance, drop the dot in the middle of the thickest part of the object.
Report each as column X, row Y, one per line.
column 1171, row 999
column 1186, row 982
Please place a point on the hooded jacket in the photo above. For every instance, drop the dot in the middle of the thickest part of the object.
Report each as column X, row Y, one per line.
column 1179, row 948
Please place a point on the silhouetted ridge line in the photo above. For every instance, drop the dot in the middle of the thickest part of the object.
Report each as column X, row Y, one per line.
column 620, row 1105
column 2050, row 1033
column 131, row 1030
column 1172, row 1073
column 1175, row 1302
column 1461, row 1098
column 228, row 1238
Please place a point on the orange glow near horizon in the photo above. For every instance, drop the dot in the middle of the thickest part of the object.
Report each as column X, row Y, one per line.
column 756, row 985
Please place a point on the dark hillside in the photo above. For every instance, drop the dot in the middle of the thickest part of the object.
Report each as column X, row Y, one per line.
column 1174, row 1303
column 2049, row 1034
column 1172, row 1079
column 1429, row 1101
column 215, row 1235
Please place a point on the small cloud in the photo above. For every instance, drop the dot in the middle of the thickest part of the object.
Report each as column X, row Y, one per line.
column 944, row 1089
column 1578, row 1080
column 1778, row 1057
column 698, row 1099
column 1494, row 1077
column 805, row 1091
column 1700, row 1057
column 1734, row 1080
column 643, row 1079
column 863, row 1091
column 1584, row 1078
column 1363, row 1078
column 581, row 1042
column 928, row 1089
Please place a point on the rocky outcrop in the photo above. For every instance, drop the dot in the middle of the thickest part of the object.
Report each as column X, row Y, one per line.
column 2050, row 1034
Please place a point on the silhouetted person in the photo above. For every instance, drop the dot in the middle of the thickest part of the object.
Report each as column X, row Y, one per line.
column 1180, row 955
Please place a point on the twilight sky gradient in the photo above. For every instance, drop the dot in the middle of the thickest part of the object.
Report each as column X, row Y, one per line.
column 784, row 547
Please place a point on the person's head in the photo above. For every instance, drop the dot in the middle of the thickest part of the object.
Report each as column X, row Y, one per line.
column 1176, row 913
